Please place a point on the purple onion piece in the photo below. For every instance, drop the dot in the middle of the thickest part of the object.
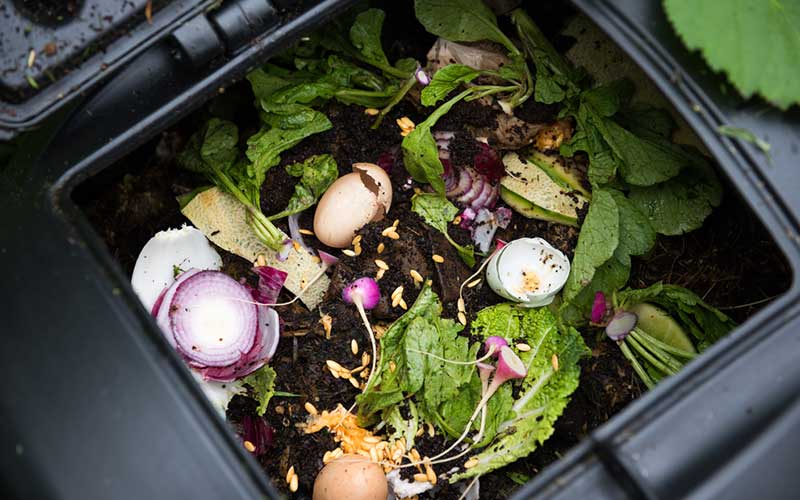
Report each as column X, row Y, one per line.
column 286, row 247
column 328, row 259
column 257, row 432
column 365, row 290
column 503, row 216
column 488, row 163
column 422, row 77
column 294, row 231
column 621, row 325
column 270, row 282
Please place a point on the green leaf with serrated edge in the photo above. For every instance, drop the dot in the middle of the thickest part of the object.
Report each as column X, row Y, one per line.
column 755, row 42
column 262, row 385
column 598, row 239
column 365, row 34
column 681, row 204
column 461, row 21
column 609, row 277
column 446, row 80
column 544, row 392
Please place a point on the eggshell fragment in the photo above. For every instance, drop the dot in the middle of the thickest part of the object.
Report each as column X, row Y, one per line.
column 351, row 477
column 382, row 183
column 351, row 202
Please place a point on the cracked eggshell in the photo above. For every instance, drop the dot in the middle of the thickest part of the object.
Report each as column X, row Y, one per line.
column 184, row 248
column 382, row 184
column 528, row 271
column 350, row 203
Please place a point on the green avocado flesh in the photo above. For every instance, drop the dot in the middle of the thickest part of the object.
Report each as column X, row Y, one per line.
column 557, row 169
column 531, row 191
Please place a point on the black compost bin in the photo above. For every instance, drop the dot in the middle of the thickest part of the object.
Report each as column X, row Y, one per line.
column 99, row 406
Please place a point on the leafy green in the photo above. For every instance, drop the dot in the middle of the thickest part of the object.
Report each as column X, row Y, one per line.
column 705, row 323
column 681, row 204
column 420, row 153
column 446, row 80
column 213, row 152
column 316, row 174
column 545, row 391
column 439, row 213
column 598, row 239
column 755, row 42
column 406, row 370
column 365, row 34
column 262, row 386
column 290, row 124
column 461, row 21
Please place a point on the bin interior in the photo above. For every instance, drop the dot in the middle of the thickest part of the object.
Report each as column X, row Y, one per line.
column 731, row 262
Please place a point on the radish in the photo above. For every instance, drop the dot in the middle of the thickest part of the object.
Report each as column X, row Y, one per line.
column 621, row 325
column 364, row 293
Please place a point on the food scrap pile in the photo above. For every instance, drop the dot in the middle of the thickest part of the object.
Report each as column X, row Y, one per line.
column 395, row 264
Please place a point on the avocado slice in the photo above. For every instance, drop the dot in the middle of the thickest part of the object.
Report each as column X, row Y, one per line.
column 556, row 167
column 531, row 211
column 530, row 190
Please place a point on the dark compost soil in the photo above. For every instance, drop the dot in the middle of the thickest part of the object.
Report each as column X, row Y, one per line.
column 731, row 262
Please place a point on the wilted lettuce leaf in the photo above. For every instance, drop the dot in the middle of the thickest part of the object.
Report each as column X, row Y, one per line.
column 461, row 21
column 755, row 42
column 262, row 386
column 446, row 80
column 544, row 392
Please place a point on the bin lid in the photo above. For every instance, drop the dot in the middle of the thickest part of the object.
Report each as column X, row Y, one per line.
column 52, row 51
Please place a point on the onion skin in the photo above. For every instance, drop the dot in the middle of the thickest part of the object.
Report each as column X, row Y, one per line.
column 270, row 282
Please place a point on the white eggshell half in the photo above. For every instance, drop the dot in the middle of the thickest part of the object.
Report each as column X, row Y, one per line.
column 184, row 248
column 347, row 206
column 529, row 271
column 384, row 185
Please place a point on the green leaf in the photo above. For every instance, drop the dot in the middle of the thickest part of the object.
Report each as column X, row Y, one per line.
column 219, row 146
column 446, row 80
column 644, row 121
column 420, row 153
column 365, row 34
column 545, row 391
column 610, row 276
column 461, row 21
column 644, row 161
column 262, row 386
column 598, row 239
column 755, row 42
column 317, row 174
column 439, row 213
column 288, row 128
column 681, row 204
column 265, row 84
column 636, row 235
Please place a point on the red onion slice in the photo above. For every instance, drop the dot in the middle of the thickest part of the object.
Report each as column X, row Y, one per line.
column 464, row 184
column 475, row 189
column 161, row 308
column 270, row 282
column 213, row 319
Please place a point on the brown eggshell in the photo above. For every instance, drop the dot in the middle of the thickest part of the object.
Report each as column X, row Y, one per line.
column 347, row 206
column 351, row 477
column 379, row 182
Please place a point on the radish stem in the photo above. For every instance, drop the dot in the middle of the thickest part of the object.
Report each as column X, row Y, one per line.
column 488, row 355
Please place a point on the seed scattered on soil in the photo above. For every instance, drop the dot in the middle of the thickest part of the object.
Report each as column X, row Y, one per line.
column 307, row 232
column 371, row 111
column 437, row 258
column 523, row 347
column 249, row 446
column 354, row 347
column 415, row 275
column 353, row 382
column 290, row 474
column 472, row 462
column 462, row 318
column 294, row 484
column 457, row 220
column 473, row 284
column 381, row 247
column 380, row 274
column 393, row 235
column 381, row 264
column 349, row 252
column 310, row 408
column 554, row 361
column 327, row 324
column 461, row 306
